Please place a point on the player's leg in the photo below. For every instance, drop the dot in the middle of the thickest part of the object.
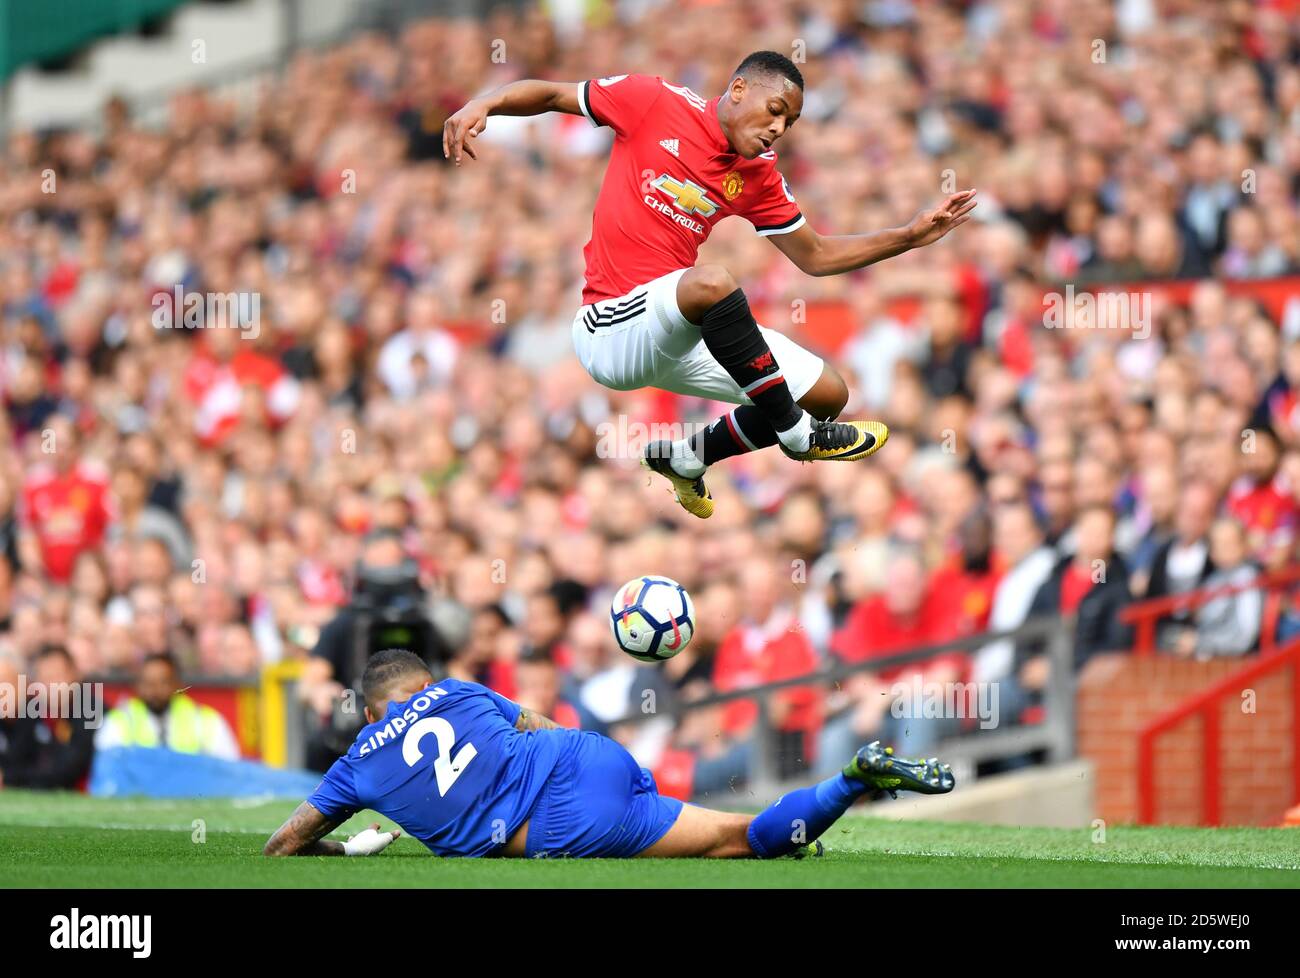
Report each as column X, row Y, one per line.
column 709, row 295
column 782, row 829
column 828, row 396
column 625, row 343
column 763, row 373
column 646, row 339
column 744, row 429
column 816, row 385
column 799, row 817
column 702, row 833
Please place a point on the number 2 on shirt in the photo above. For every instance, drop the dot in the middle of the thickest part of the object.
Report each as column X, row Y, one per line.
column 446, row 769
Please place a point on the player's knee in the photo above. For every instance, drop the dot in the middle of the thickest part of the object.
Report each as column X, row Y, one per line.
column 828, row 397
column 707, row 285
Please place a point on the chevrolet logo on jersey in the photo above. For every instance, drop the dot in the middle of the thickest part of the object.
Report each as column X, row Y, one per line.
column 687, row 195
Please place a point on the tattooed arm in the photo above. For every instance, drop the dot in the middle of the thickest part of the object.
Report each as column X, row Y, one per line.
column 303, row 835
column 528, row 720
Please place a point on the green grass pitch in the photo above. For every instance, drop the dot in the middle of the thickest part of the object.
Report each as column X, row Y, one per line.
column 76, row 841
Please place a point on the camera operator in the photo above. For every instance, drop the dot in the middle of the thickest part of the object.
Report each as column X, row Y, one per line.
column 387, row 611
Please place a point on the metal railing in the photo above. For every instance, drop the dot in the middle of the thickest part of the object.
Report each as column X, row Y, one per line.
column 1146, row 616
column 1055, row 735
column 1207, row 704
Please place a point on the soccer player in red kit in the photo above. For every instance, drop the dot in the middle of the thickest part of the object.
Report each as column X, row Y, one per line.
column 652, row 317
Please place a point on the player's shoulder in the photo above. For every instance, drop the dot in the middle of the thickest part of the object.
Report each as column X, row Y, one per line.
column 450, row 690
column 628, row 78
column 630, row 84
column 448, row 685
column 762, row 172
column 652, row 86
column 764, row 163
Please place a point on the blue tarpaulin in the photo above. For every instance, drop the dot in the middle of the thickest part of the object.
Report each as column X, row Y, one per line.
column 155, row 772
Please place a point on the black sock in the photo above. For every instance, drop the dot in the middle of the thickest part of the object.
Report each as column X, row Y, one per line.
column 741, row 430
column 732, row 336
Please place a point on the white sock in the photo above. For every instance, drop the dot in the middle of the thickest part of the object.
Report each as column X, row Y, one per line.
column 684, row 461
column 796, row 439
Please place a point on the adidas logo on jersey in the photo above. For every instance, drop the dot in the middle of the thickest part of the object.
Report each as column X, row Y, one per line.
column 670, row 145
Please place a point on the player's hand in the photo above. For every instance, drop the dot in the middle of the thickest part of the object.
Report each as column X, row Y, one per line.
column 931, row 225
column 370, row 842
column 468, row 121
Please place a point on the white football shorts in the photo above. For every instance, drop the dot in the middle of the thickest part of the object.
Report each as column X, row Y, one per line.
column 643, row 340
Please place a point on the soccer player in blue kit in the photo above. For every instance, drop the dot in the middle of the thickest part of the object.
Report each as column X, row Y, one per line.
column 469, row 773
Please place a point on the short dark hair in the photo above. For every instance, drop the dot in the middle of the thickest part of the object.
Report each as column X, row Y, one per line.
column 496, row 611
column 54, row 651
column 165, row 658
column 768, row 63
column 384, row 670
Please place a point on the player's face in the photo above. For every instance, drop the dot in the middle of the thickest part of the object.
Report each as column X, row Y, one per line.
column 157, row 684
column 765, row 108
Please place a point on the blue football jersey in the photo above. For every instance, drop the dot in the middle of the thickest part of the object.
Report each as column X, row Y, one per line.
column 448, row 766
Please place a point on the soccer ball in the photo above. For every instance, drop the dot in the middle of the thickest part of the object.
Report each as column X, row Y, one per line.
column 653, row 618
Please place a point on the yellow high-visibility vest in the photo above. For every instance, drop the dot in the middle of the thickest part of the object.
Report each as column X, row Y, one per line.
column 187, row 723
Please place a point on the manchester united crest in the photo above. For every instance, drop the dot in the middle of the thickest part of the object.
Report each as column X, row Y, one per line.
column 732, row 185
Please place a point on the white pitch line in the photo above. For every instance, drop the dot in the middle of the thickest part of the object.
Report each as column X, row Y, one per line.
column 122, row 826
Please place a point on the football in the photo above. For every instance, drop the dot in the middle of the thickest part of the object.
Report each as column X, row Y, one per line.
column 652, row 618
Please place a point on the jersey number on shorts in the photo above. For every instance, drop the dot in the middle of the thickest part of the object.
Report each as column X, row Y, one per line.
column 445, row 768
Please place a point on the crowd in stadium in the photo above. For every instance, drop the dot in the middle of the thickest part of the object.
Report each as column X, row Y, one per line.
column 407, row 372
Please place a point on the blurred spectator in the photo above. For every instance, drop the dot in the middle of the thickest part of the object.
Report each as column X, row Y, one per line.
column 766, row 646
column 65, row 504
column 135, row 517
column 55, row 749
column 1184, row 562
column 537, row 688
column 1158, row 503
column 159, row 715
column 967, row 581
column 908, row 613
column 1262, row 501
column 1028, row 563
column 481, row 659
column 1091, row 585
column 1227, row 624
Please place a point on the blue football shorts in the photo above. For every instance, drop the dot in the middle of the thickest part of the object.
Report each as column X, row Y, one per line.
column 598, row 802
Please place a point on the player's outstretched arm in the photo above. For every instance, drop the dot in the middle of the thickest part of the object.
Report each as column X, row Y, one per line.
column 815, row 254
column 303, row 834
column 525, row 97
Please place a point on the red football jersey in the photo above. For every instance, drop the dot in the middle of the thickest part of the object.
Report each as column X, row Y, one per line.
column 750, row 656
column 872, row 630
column 68, row 512
column 672, row 176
